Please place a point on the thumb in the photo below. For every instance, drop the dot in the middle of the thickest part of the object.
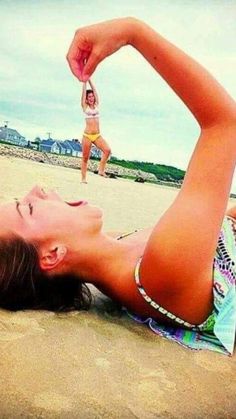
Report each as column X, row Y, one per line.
column 91, row 64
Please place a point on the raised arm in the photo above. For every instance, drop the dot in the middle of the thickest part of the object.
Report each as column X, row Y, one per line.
column 187, row 234
column 94, row 91
column 83, row 96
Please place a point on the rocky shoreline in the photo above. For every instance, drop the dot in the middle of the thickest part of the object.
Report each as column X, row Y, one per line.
column 113, row 170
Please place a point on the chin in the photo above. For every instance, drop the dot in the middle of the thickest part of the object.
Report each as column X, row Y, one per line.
column 99, row 215
column 94, row 210
column 99, row 212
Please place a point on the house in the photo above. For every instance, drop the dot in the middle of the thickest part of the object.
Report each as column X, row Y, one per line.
column 54, row 146
column 12, row 136
column 49, row 146
column 75, row 147
column 68, row 147
column 63, row 148
column 95, row 152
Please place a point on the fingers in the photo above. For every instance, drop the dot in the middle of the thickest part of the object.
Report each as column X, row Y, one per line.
column 74, row 58
column 82, row 57
column 91, row 64
column 77, row 56
column 83, row 64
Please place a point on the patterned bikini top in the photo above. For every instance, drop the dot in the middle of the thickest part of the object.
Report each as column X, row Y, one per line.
column 224, row 266
column 153, row 303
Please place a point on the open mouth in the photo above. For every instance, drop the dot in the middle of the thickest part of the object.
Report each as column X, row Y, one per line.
column 76, row 203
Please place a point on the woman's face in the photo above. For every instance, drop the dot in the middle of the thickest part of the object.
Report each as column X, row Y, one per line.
column 90, row 99
column 41, row 216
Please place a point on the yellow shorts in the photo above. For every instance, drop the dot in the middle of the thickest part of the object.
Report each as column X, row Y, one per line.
column 92, row 137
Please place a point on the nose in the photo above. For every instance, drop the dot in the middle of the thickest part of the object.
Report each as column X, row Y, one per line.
column 37, row 192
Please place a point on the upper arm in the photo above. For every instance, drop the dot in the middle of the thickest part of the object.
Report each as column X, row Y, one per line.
column 83, row 103
column 96, row 97
column 83, row 97
column 184, row 240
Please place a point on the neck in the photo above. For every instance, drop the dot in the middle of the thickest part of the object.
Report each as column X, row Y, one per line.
column 107, row 263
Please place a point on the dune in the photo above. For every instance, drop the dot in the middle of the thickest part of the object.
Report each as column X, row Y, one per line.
column 101, row 364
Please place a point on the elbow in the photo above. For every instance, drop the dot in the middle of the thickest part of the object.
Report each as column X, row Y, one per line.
column 224, row 119
column 229, row 115
column 220, row 112
column 234, row 116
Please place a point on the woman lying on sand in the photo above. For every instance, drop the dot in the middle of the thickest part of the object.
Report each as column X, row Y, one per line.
column 181, row 273
column 89, row 103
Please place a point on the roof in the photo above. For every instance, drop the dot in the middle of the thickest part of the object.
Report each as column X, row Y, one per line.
column 62, row 145
column 5, row 130
column 48, row 142
column 76, row 146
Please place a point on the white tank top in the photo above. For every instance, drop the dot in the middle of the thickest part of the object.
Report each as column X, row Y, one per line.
column 91, row 112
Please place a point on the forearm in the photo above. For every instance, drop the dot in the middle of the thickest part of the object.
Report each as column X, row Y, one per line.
column 83, row 97
column 93, row 89
column 91, row 84
column 202, row 94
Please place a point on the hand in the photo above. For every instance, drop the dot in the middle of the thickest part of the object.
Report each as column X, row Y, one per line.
column 94, row 43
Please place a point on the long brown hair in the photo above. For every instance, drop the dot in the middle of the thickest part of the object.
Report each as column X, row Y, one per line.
column 23, row 285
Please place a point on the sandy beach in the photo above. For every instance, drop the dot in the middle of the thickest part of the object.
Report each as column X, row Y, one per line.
column 101, row 364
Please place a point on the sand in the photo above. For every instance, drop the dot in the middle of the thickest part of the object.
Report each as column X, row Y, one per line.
column 100, row 364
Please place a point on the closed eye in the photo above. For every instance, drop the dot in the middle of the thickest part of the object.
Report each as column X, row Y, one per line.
column 30, row 208
column 17, row 208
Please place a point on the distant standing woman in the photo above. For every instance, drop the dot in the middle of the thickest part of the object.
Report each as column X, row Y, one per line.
column 89, row 103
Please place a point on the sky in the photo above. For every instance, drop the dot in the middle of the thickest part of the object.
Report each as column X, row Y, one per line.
column 141, row 117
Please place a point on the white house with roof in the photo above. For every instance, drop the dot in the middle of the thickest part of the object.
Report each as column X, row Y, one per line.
column 75, row 147
column 54, row 146
column 49, row 146
column 12, row 136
